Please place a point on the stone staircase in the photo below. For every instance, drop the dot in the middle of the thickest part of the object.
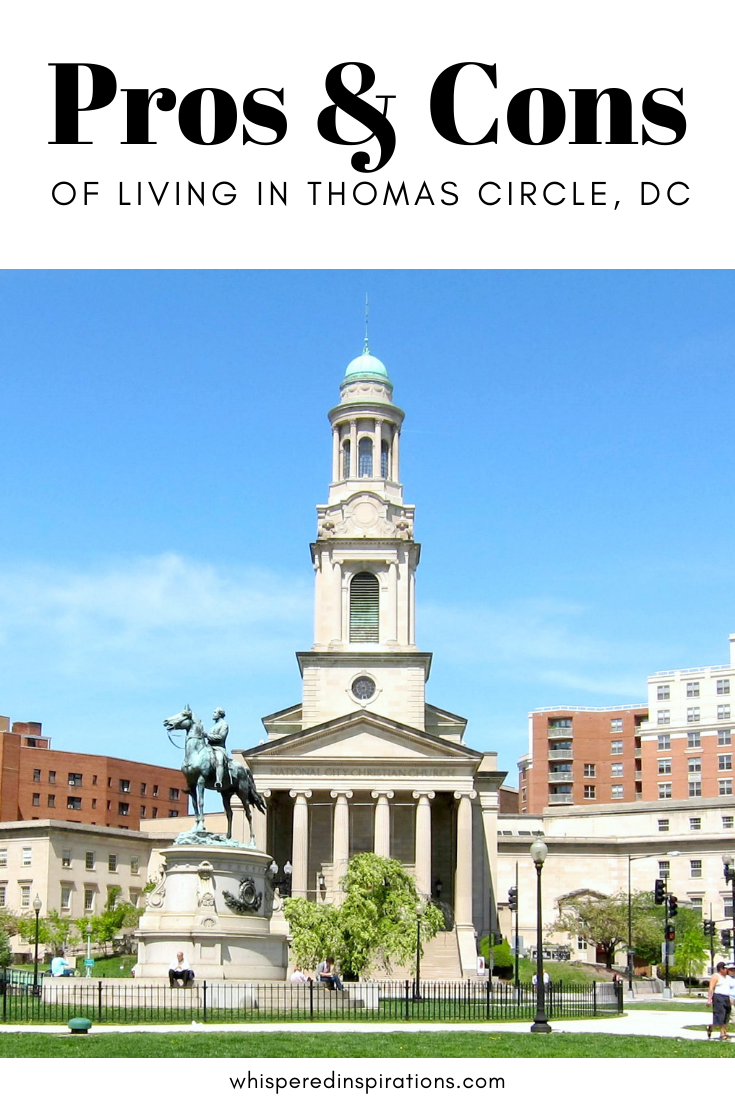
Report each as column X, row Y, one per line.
column 439, row 962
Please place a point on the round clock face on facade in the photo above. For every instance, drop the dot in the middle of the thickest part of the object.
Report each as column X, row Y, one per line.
column 363, row 688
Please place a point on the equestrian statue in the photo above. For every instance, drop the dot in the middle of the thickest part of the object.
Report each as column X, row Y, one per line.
column 208, row 765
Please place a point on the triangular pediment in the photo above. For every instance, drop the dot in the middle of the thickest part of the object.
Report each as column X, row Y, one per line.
column 361, row 736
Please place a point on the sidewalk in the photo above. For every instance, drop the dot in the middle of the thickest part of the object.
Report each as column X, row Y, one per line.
column 635, row 1023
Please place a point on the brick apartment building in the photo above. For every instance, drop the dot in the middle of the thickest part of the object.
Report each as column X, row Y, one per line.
column 37, row 782
column 678, row 746
column 582, row 756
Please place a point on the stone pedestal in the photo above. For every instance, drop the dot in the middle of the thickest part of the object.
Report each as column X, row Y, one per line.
column 214, row 903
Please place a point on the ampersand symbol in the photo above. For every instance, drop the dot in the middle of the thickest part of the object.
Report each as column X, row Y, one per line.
column 374, row 120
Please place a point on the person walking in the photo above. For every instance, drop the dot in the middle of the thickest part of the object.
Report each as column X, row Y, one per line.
column 718, row 997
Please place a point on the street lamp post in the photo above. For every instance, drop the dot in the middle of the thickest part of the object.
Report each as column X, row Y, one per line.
column 729, row 862
column 539, row 853
column 88, row 932
column 420, row 908
column 631, row 952
column 37, row 908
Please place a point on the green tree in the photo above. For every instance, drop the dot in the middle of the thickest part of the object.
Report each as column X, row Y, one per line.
column 502, row 954
column 54, row 931
column 6, row 953
column 8, row 922
column 602, row 920
column 118, row 915
column 691, row 949
column 376, row 922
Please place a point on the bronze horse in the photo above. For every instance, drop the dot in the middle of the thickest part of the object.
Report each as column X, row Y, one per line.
column 199, row 770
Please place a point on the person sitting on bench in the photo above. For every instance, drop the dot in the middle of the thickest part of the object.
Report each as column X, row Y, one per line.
column 180, row 969
column 327, row 974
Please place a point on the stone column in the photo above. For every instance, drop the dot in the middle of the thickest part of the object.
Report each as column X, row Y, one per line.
column 335, row 455
column 377, row 447
column 341, row 840
column 300, row 844
column 392, row 603
column 260, row 824
column 354, row 467
column 381, row 839
column 394, row 453
column 463, row 883
column 423, row 843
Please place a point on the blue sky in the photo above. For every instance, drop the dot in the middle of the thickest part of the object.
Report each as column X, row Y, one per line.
column 568, row 445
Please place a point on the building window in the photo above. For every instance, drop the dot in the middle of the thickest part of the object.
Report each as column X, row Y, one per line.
column 617, row 769
column 663, row 716
column 3, row 858
column 589, row 770
column 75, row 780
column 66, row 859
column 663, row 692
column 694, row 765
column 26, row 858
column 581, row 943
column 692, row 688
column 364, row 608
column 616, row 792
column 692, row 715
column 94, row 804
column 94, row 779
column 36, row 800
column 694, row 740
column 664, row 742
column 134, row 866
column 3, row 894
column 25, row 895
column 723, row 711
column 589, row 792
column 89, row 859
column 616, row 746
column 664, row 869
column 142, row 811
column 728, row 909
column 173, row 793
column 112, row 862
column 65, row 897
column 664, row 791
column 695, row 824
column 695, row 870
column 52, row 776
column 89, row 899
column 143, row 788
column 664, row 765
column 723, row 686
column 724, row 738
column 724, row 786
column 134, row 897
column 173, row 814
column 346, row 447
column 663, row 824
column 124, row 786
column 155, row 812
column 384, row 459
column 155, row 790
column 695, row 788
column 123, row 809
column 73, row 803
column 365, row 457
column 51, row 800
column 556, row 723
column 37, row 775
column 728, row 822
column 724, row 762
column 616, row 726
column 109, row 805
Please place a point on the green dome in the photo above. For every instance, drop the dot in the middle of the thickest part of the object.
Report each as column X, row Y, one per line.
column 366, row 365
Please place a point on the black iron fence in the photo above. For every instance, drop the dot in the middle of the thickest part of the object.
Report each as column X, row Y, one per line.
column 136, row 1001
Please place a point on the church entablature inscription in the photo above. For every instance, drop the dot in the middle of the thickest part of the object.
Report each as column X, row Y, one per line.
column 328, row 771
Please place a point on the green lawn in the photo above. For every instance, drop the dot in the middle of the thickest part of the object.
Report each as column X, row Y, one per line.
column 351, row 1045
column 669, row 1004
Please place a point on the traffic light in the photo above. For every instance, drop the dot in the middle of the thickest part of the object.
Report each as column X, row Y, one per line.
column 708, row 927
column 669, row 932
column 673, row 906
column 726, row 936
column 729, row 874
column 513, row 898
column 659, row 892
column 497, row 939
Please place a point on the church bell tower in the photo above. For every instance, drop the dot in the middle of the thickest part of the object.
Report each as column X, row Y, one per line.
column 365, row 558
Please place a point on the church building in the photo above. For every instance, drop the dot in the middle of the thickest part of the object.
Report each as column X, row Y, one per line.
column 363, row 763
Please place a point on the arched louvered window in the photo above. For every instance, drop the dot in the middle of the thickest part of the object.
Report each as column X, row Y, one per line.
column 384, row 459
column 346, row 447
column 364, row 608
column 365, row 452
